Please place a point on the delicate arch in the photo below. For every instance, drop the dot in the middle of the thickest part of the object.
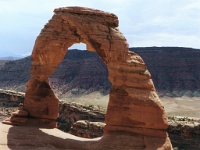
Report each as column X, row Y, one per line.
column 134, row 106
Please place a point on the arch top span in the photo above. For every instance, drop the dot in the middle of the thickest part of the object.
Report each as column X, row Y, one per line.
column 103, row 17
column 69, row 25
column 134, row 106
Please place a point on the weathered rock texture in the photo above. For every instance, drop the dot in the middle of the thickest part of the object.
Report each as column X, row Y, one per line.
column 134, row 107
column 184, row 132
column 72, row 112
column 10, row 98
column 86, row 129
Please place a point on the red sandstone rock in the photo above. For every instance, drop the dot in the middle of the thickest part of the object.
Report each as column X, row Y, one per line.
column 86, row 129
column 134, row 107
column 18, row 117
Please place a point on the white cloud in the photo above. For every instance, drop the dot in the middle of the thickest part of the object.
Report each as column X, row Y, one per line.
column 143, row 22
column 167, row 23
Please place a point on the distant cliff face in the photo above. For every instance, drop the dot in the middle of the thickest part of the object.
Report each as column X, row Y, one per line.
column 15, row 74
column 81, row 72
column 175, row 71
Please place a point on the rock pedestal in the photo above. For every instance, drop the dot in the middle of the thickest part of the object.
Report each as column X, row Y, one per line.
column 134, row 107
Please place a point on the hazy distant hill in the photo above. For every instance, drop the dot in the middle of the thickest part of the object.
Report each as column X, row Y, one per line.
column 10, row 58
column 2, row 63
column 15, row 74
column 175, row 71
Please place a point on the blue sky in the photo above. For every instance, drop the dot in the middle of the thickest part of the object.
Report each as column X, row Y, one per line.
column 143, row 22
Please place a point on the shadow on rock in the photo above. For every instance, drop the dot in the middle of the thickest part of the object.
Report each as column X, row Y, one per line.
column 24, row 138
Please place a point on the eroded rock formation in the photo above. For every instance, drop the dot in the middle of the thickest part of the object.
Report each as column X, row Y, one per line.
column 134, row 107
column 86, row 129
column 69, row 113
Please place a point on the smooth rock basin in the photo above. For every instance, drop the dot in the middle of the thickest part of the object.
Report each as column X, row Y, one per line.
column 23, row 138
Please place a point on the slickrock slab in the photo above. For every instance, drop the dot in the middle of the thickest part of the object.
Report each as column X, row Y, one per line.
column 23, row 138
column 135, row 114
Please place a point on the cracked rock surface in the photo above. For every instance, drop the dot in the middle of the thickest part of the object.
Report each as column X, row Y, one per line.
column 135, row 116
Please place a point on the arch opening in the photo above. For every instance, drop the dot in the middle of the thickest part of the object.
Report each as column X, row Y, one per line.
column 78, row 46
column 81, row 77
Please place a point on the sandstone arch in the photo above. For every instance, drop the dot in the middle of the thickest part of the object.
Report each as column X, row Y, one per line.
column 134, row 107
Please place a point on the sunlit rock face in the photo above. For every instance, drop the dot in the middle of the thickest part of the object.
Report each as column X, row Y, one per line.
column 134, row 107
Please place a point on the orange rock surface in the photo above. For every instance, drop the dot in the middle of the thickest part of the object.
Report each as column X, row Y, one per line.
column 134, row 107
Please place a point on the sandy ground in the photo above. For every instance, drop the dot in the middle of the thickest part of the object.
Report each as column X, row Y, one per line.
column 182, row 106
column 174, row 106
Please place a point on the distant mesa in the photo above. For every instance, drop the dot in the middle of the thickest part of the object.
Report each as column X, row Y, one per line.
column 170, row 78
column 10, row 58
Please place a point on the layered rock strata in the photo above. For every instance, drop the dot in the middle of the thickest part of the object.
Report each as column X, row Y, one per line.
column 69, row 113
column 134, row 107
column 86, row 129
column 10, row 98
